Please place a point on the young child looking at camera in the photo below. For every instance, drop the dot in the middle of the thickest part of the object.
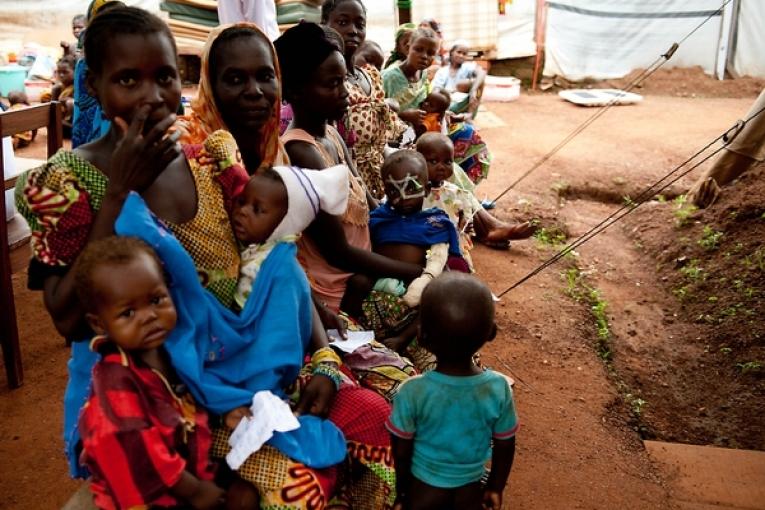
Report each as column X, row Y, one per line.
column 145, row 441
column 444, row 421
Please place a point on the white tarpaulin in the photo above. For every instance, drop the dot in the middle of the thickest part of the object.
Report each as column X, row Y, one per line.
column 749, row 57
column 515, row 30
column 609, row 38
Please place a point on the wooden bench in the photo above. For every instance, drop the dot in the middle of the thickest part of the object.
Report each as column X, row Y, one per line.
column 50, row 116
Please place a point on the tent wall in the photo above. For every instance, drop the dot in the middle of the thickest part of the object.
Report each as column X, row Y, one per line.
column 515, row 30
column 749, row 56
column 610, row 38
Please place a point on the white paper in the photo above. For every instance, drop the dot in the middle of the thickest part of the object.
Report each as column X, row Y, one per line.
column 269, row 414
column 355, row 339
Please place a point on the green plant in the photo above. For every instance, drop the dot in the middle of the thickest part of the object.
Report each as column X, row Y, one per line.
column 598, row 308
column 692, row 271
column 749, row 366
column 560, row 187
column 683, row 210
column 552, row 236
column 725, row 350
column 628, row 202
column 681, row 292
column 710, row 238
column 661, row 198
column 636, row 404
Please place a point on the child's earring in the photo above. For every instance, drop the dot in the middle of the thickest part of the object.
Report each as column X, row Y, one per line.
column 96, row 341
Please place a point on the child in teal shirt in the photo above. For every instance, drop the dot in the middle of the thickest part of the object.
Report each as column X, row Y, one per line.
column 443, row 422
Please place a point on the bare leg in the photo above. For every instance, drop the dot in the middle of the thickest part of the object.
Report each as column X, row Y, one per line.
column 491, row 230
column 426, row 497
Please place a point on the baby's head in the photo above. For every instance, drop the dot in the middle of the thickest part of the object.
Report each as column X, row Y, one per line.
column 18, row 97
column 437, row 101
column 448, row 328
column 405, row 175
column 438, row 151
column 260, row 207
column 369, row 53
column 120, row 282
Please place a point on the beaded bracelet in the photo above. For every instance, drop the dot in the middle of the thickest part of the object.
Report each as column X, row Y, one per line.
column 328, row 370
column 323, row 355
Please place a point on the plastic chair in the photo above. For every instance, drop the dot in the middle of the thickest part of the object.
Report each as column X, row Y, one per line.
column 50, row 116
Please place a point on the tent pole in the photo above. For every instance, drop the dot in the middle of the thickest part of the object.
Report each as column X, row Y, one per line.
column 723, row 43
column 539, row 36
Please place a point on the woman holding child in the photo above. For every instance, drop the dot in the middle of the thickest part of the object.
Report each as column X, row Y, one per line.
column 76, row 197
column 407, row 82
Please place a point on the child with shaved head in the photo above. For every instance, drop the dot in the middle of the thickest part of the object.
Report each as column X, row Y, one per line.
column 447, row 423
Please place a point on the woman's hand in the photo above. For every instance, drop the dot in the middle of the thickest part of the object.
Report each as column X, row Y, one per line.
column 317, row 396
column 414, row 117
column 331, row 320
column 233, row 417
column 138, row 159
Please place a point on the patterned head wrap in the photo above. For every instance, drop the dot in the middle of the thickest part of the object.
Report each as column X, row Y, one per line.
column 206, row 118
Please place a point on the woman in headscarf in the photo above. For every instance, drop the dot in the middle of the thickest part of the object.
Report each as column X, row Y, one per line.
column 240, row 92
column 401, row 48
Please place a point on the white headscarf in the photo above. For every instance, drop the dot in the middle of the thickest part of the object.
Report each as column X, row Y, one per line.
column 308, row 192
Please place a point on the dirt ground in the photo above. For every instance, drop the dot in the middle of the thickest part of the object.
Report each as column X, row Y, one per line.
column 666, row 374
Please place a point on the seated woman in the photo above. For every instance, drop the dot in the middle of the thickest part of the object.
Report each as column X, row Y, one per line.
column 369, row 124
column 240, row 91
column 463, row 80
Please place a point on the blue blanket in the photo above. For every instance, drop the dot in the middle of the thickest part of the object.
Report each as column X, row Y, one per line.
column 425, row 228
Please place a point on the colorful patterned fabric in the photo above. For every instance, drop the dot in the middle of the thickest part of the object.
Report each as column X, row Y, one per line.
column 365, row 481
column 460, row 206
column 140, row 434
column 470, row 152
column 59, row 201
column 385, row 314
column 205, row 117
column 329, row 282
column 380, row 369
column 372, row 124
column 408, row 94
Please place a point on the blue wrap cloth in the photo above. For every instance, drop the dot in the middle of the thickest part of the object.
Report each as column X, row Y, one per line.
column 425, row 228
column 223, row 357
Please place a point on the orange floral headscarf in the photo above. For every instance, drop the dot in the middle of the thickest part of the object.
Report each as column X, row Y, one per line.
column 205, row 118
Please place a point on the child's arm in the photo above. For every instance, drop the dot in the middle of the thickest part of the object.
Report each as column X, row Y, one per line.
column 501, row 463
column 200, row 494
column 402, row 459
column 399, row 342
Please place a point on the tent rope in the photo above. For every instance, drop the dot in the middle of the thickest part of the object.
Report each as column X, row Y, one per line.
column 645, row 195
column 660, row 61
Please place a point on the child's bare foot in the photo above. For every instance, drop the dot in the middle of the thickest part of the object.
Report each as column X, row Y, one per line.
column 506, row 231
